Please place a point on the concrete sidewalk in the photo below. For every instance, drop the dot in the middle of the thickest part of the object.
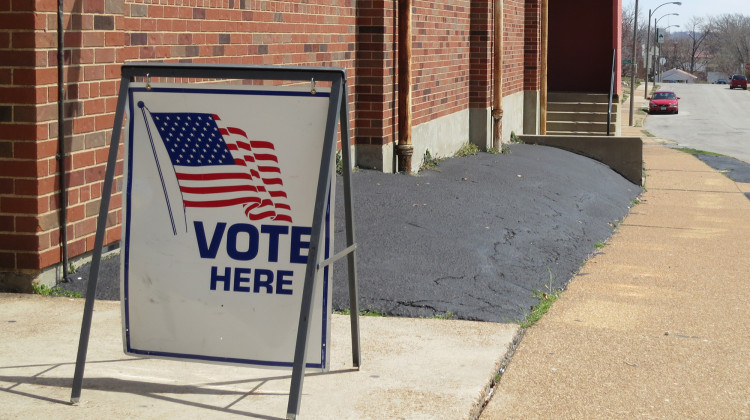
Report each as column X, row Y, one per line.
column 655, row 325
column 412, row 369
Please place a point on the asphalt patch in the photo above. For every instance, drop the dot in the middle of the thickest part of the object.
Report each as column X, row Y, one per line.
column 476, row 236
column 735, row 169
column 472, row 238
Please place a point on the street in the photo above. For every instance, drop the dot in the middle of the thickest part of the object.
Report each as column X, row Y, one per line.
column 712, row 118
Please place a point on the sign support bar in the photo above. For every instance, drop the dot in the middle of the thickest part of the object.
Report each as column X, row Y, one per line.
column 101, row 229
column 346, row 153
column 338, row 112
column 311, row 273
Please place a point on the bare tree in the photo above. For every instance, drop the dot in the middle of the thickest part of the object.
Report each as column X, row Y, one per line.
column 697, row 31
column 676, row 50
column 729, row 42
column 628, row 18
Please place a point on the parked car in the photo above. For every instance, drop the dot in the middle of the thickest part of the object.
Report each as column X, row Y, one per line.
column 738, row 81
column 721, row 81
column 663, row 101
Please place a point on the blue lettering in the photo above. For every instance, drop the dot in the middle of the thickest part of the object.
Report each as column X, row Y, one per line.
column 226, row 278
column 281, row 281
column 209, row 251
column 273, row 232
column 253, row 238
column 267, row 283
column 262, row 280
column 238, row 279
column 297, row 244
column 243, row 241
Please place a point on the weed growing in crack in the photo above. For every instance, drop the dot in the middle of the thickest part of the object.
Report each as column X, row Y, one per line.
column 447, row 315
column 515, row 139
column 363, row 312
column 546, row 299
column 429, row 161
column 339, row 164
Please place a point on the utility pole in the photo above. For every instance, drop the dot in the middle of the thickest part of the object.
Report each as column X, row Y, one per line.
column 635, row 65
column 648, row 49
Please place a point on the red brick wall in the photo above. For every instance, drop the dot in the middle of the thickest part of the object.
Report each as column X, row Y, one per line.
column 513, row 46
column 27, row 142
column 100, row 36
column 440, row 58
column 375, row 83
column 532, row 45
column 480, row 56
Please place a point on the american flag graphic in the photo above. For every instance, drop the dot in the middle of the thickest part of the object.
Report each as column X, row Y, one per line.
column 220, row 166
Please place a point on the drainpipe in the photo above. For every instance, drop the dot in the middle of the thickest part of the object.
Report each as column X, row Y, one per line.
column 405, row 149
column 61, row 138
column 543, row 85
column 497, row 82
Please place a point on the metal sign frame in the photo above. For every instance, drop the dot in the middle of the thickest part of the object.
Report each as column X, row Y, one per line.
column 338, row 116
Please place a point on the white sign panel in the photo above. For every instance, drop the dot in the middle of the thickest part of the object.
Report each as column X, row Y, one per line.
column 220, row 187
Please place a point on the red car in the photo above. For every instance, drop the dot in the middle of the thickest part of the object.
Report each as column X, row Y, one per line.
column 663, row 101
column 738, row 81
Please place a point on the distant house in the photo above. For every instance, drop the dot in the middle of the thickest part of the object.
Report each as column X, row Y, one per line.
column 677, row 76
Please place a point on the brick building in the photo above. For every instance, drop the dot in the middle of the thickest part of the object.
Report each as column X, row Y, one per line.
column 452, row 85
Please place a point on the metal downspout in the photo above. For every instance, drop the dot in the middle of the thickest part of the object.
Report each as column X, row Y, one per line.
column 61, row 138
column 544, row 63
column 405, row 149
column 497, row 82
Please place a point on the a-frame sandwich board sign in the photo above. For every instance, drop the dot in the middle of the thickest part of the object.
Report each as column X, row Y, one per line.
column 227, row 187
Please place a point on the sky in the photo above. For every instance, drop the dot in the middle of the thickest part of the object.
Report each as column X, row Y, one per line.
column 688, row 9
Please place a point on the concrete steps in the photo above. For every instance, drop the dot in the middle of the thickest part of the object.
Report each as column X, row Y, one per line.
column 580, row 113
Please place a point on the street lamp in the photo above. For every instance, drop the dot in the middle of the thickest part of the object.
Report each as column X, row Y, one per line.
column 648, row 37
column 657, row 47
column 656, row 22
column 659, row 71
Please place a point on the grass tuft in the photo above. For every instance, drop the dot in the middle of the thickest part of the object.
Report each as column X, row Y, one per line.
column 40, row 289
column 699, row 152
column 546, row 299
column 447, row 315
column 467, row 149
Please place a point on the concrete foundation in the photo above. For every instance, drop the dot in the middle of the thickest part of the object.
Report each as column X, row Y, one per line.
column 531, row 121
column 513, row 115
column 623, row 154
column 370, row 156
column 480, row 127
column 442, row 137
column 24, row 281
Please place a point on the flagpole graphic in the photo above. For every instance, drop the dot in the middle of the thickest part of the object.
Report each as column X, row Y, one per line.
column 218, row 166
column 158, row 168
